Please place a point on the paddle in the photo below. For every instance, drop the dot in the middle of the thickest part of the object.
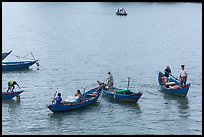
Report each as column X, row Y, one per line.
column 54, row 97
column 174, row 77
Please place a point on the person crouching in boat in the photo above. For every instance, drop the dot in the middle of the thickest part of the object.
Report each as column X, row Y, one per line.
column 11, row 85
column 101, row 85
column 58, row 100
column 183, row 75
column 78, row 96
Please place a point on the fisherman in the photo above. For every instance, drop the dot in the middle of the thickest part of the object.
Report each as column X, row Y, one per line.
column 58, row 100
column 167, row 71
column 110, row 80
column 183, row 75
column 11, row 85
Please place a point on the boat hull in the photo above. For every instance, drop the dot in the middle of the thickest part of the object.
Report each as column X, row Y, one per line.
column 121, row 14
column 181, row 91
column 132, row 97
column 73, row 106
column 17, row 65
column 10, row 95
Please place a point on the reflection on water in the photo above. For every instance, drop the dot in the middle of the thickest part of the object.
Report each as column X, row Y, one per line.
column 181, row 103
column 123, row 104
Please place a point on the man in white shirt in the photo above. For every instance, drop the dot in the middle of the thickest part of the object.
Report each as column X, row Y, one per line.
column 183, row 75
column 110, row 80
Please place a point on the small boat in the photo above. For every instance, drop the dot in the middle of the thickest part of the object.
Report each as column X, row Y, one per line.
column 16, row 65
column 173, row 87
column 10, row 95
column 121, row 12
column 122, row 94
column 88, row 98
column 5, row 54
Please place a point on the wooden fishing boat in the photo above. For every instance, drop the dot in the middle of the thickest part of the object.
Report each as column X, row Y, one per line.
column 87, row 99
column 121, row 13
column 5, row 54
column 16, row 65
column 122, row 94
column 173, row 87
column 10, row 95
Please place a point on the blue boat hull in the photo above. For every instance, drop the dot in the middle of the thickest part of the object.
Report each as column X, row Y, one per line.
column 182, row 91
column 72, row 106
column 17, row 65
column 10, row 95
column 132, row 97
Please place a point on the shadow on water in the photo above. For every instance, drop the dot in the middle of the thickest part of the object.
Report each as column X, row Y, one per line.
column 10, row 104
column 181, row 102
column 27, row 70
column 122, row 103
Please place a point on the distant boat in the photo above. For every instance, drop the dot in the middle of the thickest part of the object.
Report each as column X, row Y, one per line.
column 88, row 98
column 121, row 12
column 173, row 87
column 16, row 65
column 5, row 54
column 10, row 95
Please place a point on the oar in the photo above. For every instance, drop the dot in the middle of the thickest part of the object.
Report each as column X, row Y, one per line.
column 54, row 96
column 174, row 77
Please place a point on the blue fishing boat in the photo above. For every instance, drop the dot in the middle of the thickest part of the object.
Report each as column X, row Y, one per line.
column 10, row 95
column 122, row 94
column 173, row 87
column 5, row 54
column 16, row 65
column 88, row 98
column 121, row 12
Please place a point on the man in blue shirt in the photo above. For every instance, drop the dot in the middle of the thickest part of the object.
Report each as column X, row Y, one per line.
column 58, row 100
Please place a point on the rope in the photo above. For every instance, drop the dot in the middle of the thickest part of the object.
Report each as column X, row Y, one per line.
column 23, row 56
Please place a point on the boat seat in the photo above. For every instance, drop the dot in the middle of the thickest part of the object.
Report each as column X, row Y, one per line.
column 170, row 83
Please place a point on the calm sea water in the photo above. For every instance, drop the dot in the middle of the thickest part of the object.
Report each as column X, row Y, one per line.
column 78, row 43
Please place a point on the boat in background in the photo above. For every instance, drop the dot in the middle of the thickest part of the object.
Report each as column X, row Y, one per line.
column 173, row 87
column 87, row 99
column 5, row 54
column 121, row 12
column 17, row 65
column 10, row 95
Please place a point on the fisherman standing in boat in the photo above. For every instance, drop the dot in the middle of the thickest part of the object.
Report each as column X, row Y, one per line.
column 110, row 80
column 167, row 71
column 183, row 75
column 11, row 85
